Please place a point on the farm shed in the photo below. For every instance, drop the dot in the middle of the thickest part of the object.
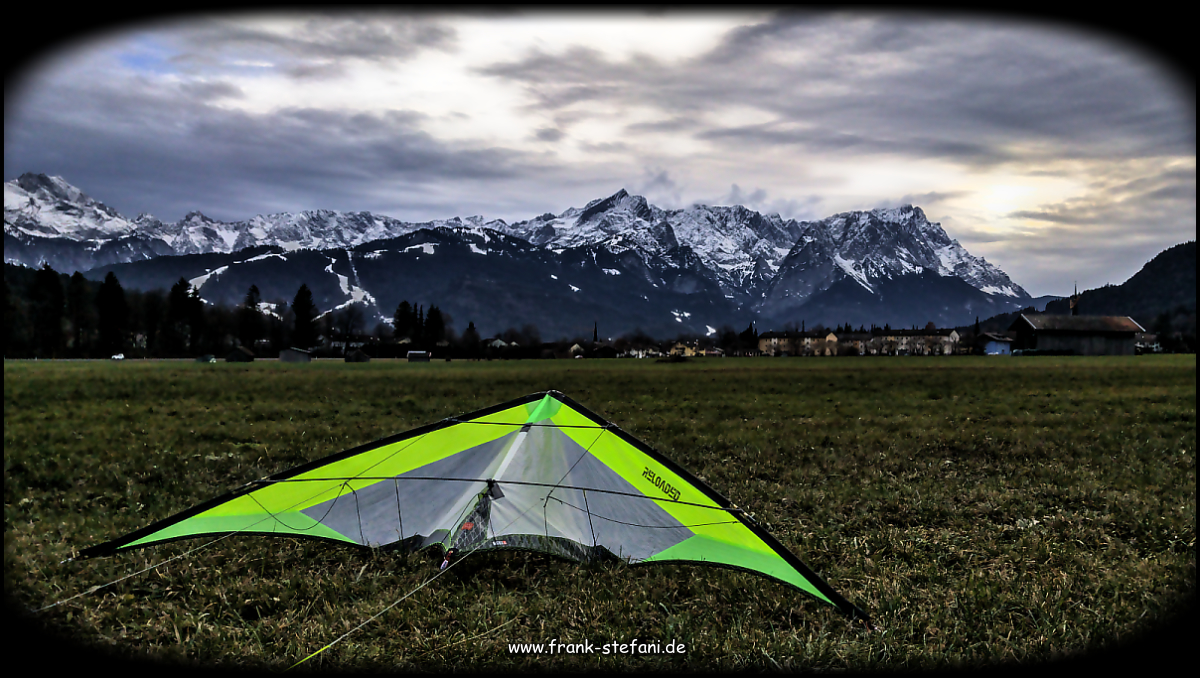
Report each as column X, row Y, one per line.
column 1079, row 334
column 294, row 355
column 418, row 356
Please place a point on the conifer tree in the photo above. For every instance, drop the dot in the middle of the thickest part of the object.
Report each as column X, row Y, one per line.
column 305, row 311
column 403, row 321
column 250, row 320
column 48, row 304
column 177, row 329
column 81, row 312
column 434, row 329
column 470, row 340
column 113, row 323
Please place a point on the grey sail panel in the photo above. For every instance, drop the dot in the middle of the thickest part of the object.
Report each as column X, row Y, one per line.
column 416, row 503
column 576, row 497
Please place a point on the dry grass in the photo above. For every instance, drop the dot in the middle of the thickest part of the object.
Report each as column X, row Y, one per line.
column 984, row 511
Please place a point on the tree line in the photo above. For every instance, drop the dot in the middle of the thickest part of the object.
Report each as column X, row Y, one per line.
column 52, row 315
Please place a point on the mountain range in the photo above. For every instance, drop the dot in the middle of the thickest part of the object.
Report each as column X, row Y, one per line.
column 618, row 262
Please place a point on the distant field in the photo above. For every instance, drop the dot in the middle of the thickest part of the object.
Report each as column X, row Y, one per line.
column 982, row 510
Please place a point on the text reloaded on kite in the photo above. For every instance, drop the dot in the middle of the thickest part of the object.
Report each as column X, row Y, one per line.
column 636, row 647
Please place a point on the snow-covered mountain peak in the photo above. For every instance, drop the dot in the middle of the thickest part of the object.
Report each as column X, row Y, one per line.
column 49, row 206
column 887, row 243
column 52, row 187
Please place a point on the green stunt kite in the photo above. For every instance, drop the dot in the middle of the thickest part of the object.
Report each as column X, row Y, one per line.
column 538, row 473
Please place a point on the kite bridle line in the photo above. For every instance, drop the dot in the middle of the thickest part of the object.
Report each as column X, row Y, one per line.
column 464, row 556
column 550, row 494
column 377, row 614
column 480, row 545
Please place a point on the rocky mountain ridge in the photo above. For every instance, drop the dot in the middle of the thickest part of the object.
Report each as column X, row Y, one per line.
column 739, row 261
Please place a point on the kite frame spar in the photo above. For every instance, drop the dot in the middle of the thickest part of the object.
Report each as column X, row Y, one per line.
column 127, row 542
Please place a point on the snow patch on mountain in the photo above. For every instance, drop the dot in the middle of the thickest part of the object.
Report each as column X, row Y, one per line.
column 851, row 268
column 260, row 257
column 268, row 308
column 426, row 247
column 199, row 281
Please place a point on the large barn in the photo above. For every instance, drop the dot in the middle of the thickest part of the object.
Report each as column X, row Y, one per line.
column 1077, row 334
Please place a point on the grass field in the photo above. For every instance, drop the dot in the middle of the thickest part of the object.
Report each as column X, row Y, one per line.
column 982, row 510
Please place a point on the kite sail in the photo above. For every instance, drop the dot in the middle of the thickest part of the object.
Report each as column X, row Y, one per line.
column 538, row 473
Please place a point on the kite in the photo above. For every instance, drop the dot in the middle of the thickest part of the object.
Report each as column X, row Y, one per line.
column 539, row 473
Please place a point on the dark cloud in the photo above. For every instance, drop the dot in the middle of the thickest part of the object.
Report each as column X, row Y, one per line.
column 747, row 42
column 605, row 146
column 674, row 124
column 830, row 141
column 136, row 147
column 657, row 186
column 978, row 91
column 549, row 134
column 737, row 197
column 326, row 70
column 208, row 91
column 323, row 37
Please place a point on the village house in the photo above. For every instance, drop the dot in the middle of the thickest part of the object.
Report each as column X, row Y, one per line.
column 854, row 343
column 777, row 343
column 929, row 341
column 990, row 343
column 683, row 349
column 878, row 341
column 822, row 344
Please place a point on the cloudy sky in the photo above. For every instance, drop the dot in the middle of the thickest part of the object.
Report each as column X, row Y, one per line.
column 1059, row 153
